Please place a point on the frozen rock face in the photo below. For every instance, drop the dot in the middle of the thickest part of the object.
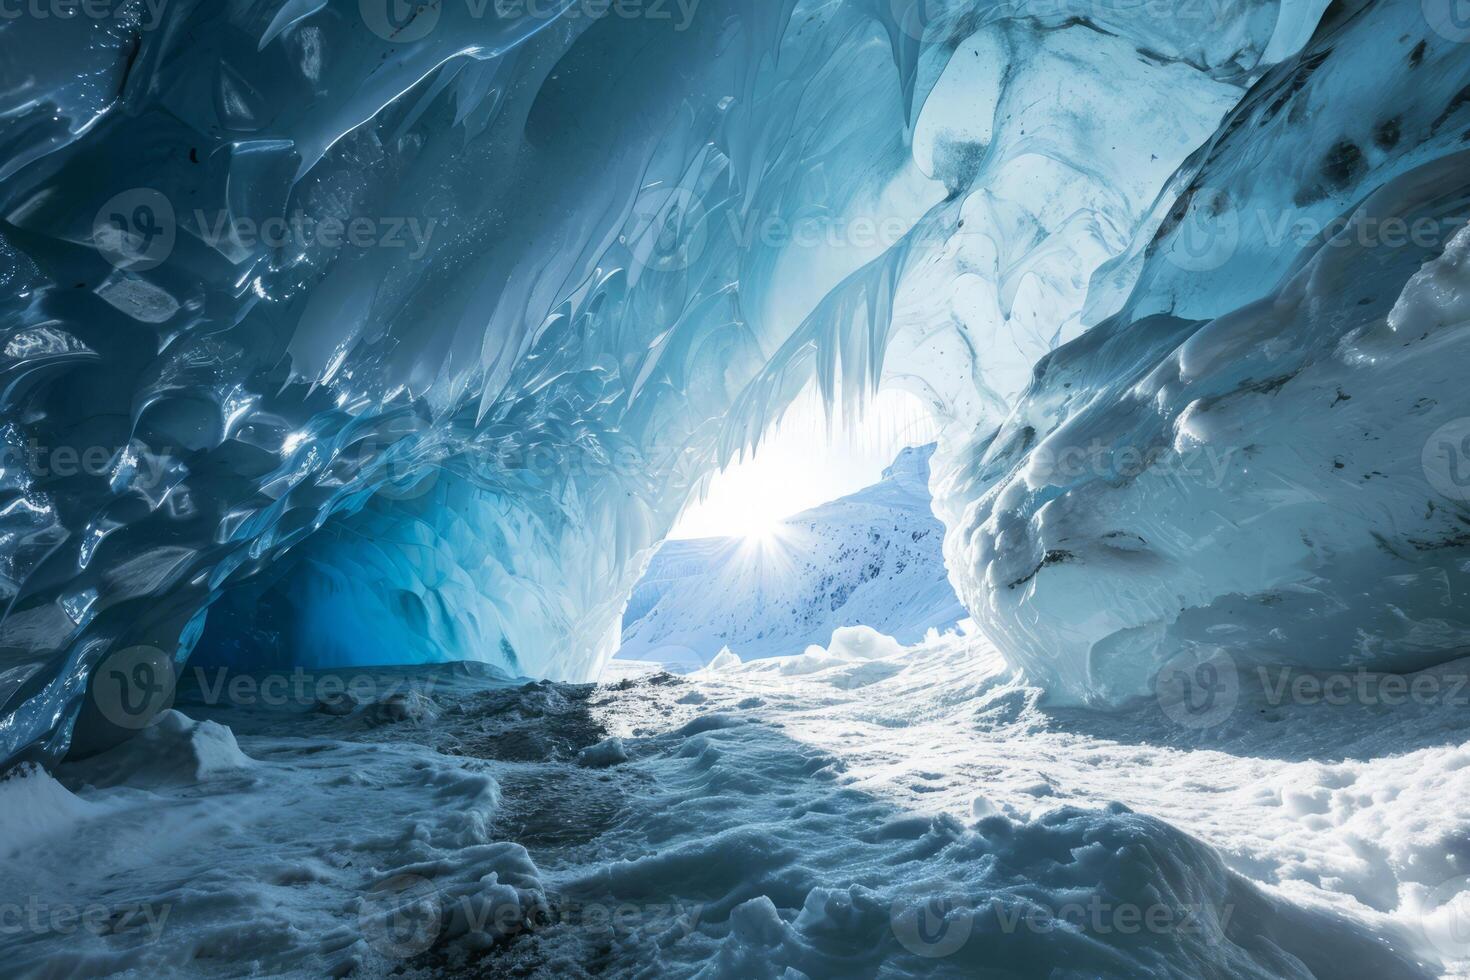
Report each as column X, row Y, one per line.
column 1243, row 466
column 425, row 326
column 873, row 558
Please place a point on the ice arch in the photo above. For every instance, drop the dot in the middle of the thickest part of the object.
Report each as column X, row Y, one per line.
column 572, row 260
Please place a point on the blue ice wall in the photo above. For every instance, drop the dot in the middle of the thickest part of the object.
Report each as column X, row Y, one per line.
column 424, row 327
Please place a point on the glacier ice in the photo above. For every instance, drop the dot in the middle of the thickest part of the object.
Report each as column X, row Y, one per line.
column 335, row 339
column 1244, row 467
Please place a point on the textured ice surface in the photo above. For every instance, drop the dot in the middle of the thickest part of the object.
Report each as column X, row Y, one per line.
column 427, row 329
column 935, row 823
column 872, row 558
column 1258, row 459
column 579, row 297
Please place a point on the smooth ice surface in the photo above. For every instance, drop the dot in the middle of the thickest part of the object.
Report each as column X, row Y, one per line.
column 870, row 559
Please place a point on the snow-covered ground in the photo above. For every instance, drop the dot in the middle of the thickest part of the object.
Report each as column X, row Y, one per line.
column 866, row 810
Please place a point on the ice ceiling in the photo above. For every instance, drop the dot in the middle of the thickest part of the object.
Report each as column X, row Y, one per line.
column 370, row 332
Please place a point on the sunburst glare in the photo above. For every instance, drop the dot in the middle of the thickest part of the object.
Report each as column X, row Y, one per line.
column 804, row 462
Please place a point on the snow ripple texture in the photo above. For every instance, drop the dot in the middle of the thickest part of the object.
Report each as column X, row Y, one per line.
column 933, row 820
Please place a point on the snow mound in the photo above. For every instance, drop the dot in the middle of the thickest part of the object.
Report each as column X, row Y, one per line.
column 724, row 660
column 1339, row 791
column 173, row 750
column 1072, row 891
column 412, row 707
column 34, row 805
column 608, row 752
column 849, row 645
column 862, row 643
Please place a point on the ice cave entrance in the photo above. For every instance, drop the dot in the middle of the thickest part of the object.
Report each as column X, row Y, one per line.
column 825, row 527
column 812, row 455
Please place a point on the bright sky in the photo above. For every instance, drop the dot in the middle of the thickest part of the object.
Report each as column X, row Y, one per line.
column 800, row 465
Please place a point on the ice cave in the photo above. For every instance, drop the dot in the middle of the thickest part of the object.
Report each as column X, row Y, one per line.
column 377, row 373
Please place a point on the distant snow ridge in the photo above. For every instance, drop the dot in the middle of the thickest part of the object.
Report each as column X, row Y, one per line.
column 872, row 558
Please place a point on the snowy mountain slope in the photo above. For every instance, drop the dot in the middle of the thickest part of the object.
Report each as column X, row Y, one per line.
column 871, row 558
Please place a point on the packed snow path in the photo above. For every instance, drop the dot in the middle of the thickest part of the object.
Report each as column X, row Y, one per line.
column 859, row 812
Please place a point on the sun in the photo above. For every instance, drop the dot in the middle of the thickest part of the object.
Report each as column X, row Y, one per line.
column 761, row 532
column 805, row 460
